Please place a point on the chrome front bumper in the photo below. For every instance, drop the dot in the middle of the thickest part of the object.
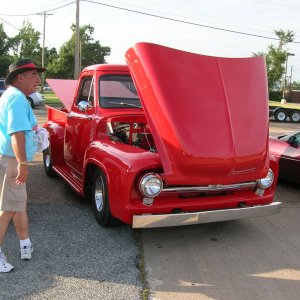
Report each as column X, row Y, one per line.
column 182, row 219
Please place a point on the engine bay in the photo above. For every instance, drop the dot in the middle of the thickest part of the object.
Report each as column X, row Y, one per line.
column 137, row 134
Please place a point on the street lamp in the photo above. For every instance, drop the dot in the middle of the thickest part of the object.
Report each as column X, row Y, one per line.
column 284, row 84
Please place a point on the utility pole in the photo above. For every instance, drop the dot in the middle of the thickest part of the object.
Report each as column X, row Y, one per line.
column 283, row 100
column 77, row 43
column 43, row 49
column 291, row 79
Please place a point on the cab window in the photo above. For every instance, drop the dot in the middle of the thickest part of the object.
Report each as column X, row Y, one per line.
column 86, row 92
column 118, row 91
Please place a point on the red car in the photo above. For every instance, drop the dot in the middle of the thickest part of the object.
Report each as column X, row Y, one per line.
column 287, row 149
column 170, row 139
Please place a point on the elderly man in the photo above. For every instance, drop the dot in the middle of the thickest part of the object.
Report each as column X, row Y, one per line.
column 17, row 147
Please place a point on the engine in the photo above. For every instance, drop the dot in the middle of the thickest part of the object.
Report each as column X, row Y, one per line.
column 132, row 133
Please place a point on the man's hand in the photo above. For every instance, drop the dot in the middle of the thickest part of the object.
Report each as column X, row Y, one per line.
column 22, row 173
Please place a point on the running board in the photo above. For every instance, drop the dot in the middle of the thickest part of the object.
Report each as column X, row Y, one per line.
column 67, row 175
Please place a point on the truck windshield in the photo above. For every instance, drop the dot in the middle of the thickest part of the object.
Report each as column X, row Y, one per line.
column 118, row 91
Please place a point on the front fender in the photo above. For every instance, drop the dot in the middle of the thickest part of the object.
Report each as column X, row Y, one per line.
column 121, row 164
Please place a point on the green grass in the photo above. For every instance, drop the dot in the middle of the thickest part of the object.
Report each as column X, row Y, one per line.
column 51, row 98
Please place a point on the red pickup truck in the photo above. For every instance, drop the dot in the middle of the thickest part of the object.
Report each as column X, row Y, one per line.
column 168, row 139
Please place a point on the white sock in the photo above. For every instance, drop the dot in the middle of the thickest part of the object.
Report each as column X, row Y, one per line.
column 24, row 243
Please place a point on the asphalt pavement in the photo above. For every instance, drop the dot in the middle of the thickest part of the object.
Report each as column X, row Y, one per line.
column 74, row 257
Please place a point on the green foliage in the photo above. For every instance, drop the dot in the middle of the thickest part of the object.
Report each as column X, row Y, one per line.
column 26, row 44
column 5, row 57
column 51, row 98
column 276, row 57
column 91, row 53
column 295, row 85
column 275, row 95
column 285, row 37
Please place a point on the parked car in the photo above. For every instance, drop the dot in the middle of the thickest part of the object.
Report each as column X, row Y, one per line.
column 35, row 99
column 287, row 149
column 47, row 88
column 2, row 87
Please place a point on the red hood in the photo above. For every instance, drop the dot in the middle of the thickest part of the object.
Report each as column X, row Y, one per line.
column 64, row 90
column 208, row 115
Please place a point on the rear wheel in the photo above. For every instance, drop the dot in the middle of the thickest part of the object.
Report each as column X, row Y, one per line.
column 295, row 116
column 30, row 101
column 280, row 115
column 100, row 199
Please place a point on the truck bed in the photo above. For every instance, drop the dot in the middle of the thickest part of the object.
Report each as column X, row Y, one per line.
column 57, row 114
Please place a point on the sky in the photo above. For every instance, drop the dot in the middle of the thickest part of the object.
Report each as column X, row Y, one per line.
column 226, row 28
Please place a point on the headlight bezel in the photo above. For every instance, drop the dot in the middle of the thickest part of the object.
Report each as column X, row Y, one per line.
column 145, row 185
column 266, row 182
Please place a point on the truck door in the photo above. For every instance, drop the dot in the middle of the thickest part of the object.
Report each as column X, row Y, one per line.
column 78, row 132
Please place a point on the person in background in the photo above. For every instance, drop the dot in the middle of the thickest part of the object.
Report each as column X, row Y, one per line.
column 17, row 147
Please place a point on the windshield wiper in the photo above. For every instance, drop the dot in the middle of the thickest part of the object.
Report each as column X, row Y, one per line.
column 126, row 104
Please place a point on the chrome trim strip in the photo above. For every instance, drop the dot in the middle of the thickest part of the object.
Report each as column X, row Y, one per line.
column 166, row 220
column 210, row 188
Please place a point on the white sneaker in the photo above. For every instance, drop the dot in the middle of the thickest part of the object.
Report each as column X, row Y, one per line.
column 5, row 266
column 26, row 252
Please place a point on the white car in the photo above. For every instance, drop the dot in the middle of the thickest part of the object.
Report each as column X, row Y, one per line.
column 35, row 99
column 47, row 88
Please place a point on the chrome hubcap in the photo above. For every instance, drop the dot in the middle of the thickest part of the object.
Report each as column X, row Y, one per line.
column 99, row 194
column 281, row 116
column 47, row 160
column 295, row 117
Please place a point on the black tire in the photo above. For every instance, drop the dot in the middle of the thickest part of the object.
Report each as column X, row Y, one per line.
column 295, row 116
column 48, row 163
column 30, row 101
column 280, row 115
column 100, row 199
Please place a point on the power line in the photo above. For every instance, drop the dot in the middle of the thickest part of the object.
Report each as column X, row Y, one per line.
column 155, row 16
column 10, row 24
column 33, row 14
column 185, row 22
column 62, row 6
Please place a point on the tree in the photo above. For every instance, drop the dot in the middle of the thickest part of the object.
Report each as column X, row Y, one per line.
column 26, row 44
column 285, row 37
column 295, row 85
column 276, row 57
column 5, row 57
column 91, row 53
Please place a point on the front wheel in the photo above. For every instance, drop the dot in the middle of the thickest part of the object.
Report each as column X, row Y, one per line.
column 30, row 101
column 280, row 115
column 295, row 116
column 100, row 200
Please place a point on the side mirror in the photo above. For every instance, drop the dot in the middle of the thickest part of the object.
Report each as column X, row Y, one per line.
column 84, row 106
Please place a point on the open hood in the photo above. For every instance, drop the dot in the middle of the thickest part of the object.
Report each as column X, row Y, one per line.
column 208, row 115
column 64, row 90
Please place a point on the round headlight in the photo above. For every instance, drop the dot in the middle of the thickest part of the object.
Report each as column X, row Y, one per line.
column 267, row 181
column 151, row 185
